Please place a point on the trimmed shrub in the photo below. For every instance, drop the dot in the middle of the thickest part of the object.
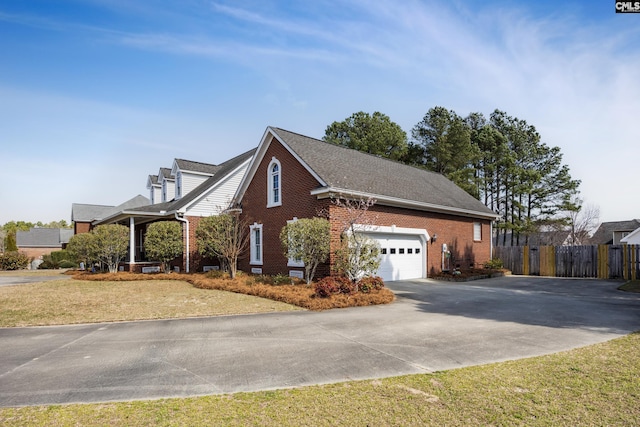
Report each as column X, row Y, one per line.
column 48, row 263
column 13, row 261
column 326, row 287
column 371, row 283
column 494, row 264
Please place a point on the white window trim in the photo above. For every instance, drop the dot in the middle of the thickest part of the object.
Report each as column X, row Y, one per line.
column 178, row 185
column 256, row 253
column 164, row 190
column 270, row 199
column 477, row 232
column 294, row 262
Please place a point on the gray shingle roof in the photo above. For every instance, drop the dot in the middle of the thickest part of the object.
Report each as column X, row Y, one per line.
column 81, row 212
column 43, row 237
column 352, row 170
column 199, row 167
column 165, row 173
column 88, row 213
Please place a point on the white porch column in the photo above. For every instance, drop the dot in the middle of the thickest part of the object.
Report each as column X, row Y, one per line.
column 132, row 241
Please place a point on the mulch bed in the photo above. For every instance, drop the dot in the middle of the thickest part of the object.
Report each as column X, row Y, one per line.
column 301, row 295
column 469, row 275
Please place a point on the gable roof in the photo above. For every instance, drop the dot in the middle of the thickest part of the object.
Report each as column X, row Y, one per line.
column 172, row 207
column 165, row 173
column 153, row 181
column 43, row 237
column 195, row 167
column 341, row 170
column 604, row 233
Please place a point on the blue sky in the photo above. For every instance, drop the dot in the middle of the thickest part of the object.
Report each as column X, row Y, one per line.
column 95, row 95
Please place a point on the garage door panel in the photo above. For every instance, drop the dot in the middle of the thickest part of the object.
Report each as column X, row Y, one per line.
column 402, row 256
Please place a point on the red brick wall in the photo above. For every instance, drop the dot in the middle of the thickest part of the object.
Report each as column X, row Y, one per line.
column 81, row 227
column 196, row 261
column 296, row 185
column 455, row 231
column 37, row 253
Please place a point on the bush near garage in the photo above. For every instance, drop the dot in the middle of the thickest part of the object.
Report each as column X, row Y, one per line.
column 13, row 261
column 301, row 295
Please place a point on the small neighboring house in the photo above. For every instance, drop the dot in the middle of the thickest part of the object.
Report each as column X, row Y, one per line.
column 42, row 241
column 612, row 233
column 421, row 218
column 216, row 189
column 632, row 238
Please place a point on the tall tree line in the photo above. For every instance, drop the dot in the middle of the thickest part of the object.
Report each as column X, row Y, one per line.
column 501, row 161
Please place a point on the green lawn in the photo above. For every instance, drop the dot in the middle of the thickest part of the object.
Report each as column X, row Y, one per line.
column 597, row 385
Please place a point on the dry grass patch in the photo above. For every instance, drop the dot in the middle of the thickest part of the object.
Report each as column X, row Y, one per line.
column 82, row 301
column 34, row 273
column 596, row 386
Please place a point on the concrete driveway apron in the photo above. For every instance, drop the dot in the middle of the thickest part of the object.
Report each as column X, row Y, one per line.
column 431, row 326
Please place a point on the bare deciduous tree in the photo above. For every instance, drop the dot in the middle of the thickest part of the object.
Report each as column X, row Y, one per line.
column 225, row 237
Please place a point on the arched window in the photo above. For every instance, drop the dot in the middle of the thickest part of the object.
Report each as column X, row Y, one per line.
column 274, row 184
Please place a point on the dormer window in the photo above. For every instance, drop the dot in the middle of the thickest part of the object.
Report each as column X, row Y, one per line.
column 274, row 184
column 164, row 190
column 152, row 196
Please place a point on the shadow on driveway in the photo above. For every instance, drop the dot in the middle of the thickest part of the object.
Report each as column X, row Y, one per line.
column 551, row 302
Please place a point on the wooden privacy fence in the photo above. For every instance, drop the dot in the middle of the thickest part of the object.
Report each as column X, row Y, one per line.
column 598, row 261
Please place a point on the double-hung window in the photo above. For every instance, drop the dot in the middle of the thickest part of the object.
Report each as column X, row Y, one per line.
column 477, row 232
column 274, row 184
column 293, row 262
column 178, row 185
column 256, row 243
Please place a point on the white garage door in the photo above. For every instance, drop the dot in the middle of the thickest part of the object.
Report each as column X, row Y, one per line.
column 402, row 256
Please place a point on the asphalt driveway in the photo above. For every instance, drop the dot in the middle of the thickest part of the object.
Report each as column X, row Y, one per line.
column 432, row 326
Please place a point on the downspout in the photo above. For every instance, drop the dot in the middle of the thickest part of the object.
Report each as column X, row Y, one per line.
column 180, row 217
column 491, row 234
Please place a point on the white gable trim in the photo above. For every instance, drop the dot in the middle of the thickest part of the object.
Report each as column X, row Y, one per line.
column 634, row 235
column 265, row 142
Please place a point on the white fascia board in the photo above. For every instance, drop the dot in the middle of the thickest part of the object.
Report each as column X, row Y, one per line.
column 188, row 172
column 265, row 142
column 174, row 167
column 253, row 166
column 385, row 229
column 326, row 192
column 127, row 214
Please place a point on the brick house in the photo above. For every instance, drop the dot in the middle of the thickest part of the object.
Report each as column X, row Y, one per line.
column 423, row 222
column 38, row 242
